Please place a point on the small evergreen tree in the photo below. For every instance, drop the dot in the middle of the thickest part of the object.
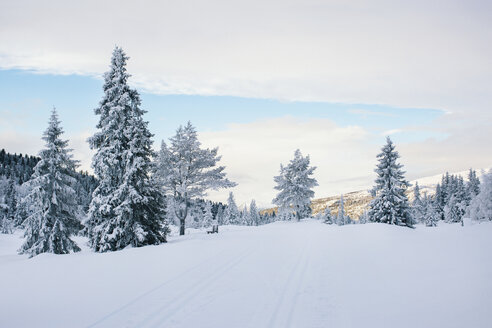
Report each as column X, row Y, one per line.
column 391, row 203
column 127, row 208
column 231, row 212
column 327, row 216
column 341, row 217
column 473, row 184
column 295, row 185
column 417, row 205
column 254, row 213
column 51, row 202
column 207, row 215
column 430, row 216
column 481, row 206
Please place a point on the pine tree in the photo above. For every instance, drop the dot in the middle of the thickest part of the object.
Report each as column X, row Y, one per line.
column 245, row 218
column 127, row 207
column 10, row 209
column 207, row 215
column 481, row 206
column 327, row 216
column 341, row 212
column 417, row 205
column 430, row 217
column 254, row 214
column 295, row 185
column 390, row 204
column 364, row 218
column 473, row 184
column 231, row 212
column 51, row 202
column 187, row 171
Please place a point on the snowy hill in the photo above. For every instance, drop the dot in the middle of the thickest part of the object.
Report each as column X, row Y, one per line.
column 358, row 201
column 285, row 274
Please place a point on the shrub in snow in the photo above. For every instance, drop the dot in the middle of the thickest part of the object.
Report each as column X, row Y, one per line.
column 295, row 185
column 127, row 207
column 390, row 204
column 51, row 202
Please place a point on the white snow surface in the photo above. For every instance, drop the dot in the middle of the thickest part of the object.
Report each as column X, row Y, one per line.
column 285, row 274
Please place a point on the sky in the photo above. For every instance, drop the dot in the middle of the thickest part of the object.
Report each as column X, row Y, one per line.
column 260, row 79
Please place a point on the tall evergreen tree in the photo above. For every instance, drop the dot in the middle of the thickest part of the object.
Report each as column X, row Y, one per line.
column 295, row 185
column 391, row 203
column 51, row 202
column 186, row 171
column 126, row 208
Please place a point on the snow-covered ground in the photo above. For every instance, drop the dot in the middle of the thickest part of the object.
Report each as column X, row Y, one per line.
column 285, row 274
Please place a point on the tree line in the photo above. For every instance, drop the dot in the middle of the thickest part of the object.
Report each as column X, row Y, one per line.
column 137, row 192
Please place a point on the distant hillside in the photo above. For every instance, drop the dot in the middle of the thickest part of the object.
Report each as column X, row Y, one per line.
column 358, row 201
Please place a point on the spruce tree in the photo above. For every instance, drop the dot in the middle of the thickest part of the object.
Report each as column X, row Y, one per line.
column 254, row 214
column 127, row 207
column 327, row 216
column 207, row 215
column 430, row 217
column 51, row 203
column 341, row 212
column 295, row 185
column 231, row 212
column 390, row 204
column 481, row 206
column 417, row 205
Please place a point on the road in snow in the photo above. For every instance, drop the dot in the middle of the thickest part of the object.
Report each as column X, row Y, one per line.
column 285, row 274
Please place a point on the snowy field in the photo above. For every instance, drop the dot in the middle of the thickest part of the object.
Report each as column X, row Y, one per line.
column 285, row 274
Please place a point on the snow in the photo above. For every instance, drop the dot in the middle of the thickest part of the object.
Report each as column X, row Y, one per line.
column 285, row 274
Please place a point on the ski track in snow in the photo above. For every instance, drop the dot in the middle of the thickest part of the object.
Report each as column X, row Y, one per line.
column 286, row 274
column 154, row 290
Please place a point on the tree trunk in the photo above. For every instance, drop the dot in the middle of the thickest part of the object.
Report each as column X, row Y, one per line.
column 182, row 227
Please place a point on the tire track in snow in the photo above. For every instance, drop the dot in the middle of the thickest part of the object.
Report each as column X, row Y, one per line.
column 155, row 289
column 166, row 311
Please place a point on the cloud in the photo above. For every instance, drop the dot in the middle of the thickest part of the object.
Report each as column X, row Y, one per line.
column 253, row 152
column 390, row 132
column 407, row 54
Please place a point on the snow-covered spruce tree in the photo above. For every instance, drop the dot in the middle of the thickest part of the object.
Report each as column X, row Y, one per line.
column 254, row 214
column 245, row 218
column 473, row 184
column 327, row 216
column 341, row 216
column 231, row 212
column 390, row 204
column 295, row 185
column 207, row 215
column 481, row 206
column 187, row 171
column 430, row 217
column 127, row 206
column 417, row 205
column 364, row 218
column 51, row 202
column 7, row 215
